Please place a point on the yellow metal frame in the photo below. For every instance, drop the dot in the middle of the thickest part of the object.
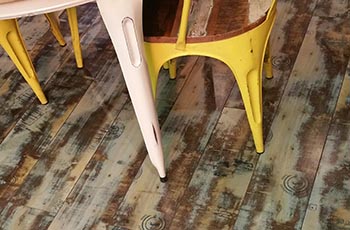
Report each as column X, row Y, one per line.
column 12, row 42
column 243, row 54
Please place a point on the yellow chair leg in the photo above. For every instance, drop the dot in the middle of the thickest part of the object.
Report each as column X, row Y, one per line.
column 73, row 24
column 12, row 42
column 249, row 84
column 268, row 63
column 52, row 18
column 172, row 68
column 166, row 65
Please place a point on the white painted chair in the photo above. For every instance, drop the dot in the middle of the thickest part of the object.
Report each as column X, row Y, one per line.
column 123, row 20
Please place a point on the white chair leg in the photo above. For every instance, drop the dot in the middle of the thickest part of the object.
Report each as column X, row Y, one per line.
column 124, row 25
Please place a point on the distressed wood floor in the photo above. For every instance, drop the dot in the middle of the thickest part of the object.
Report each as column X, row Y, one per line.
column 79, row 162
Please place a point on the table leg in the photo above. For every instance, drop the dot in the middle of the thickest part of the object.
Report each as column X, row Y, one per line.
column 123, row 20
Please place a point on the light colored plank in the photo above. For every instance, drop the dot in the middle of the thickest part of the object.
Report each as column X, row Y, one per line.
column 185, row 135
column 56, row 172
column 199, row 17
column 328, row 206
column 107, row 176
column 329, row 201
column 33, row 133
column 26, row 219
column 76, row 142
column 278, row 193
column 102, row 186
column 217, row 187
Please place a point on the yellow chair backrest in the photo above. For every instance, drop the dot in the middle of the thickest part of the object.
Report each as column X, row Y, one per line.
column 181, row 40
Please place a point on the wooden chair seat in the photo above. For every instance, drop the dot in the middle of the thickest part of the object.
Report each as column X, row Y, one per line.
column 208, row 19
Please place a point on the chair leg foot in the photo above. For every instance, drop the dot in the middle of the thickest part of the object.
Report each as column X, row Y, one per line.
column 164, row 179
column 172, row 68
column 52, row 18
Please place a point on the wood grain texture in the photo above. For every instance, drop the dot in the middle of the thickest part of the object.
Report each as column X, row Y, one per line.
column 100, row 190
column 328, row 206
column 80, row 162
column 217, row 187
column 278, row 194
column 185, row 132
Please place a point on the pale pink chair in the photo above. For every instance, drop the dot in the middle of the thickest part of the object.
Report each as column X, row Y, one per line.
column 123, row 20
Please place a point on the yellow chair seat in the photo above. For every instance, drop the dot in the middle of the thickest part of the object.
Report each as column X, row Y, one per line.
column 228, row 35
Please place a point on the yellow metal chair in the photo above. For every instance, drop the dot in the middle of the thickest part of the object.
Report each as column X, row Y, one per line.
column 12, row 42
column 241, row 45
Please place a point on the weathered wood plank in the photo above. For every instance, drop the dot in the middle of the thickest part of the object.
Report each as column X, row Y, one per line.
column 101, row 188
column 185, row 135
column 239, row 154
column 342, row 114
column 328, row 206
column 27, row 218
column 278, row 194
column 208, row 185
column 92, row 118
column 285, row 47
column 52, row 178
column 168, row 89
column 35, row 130
column 215, row 192
column 327, row 8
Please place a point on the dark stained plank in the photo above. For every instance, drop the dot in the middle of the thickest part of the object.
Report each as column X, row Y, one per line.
column 185, row 134
column 278, row 194
column 329, row 204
